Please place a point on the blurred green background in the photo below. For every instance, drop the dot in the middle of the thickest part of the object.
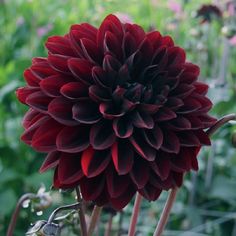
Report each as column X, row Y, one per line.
column 207, row 201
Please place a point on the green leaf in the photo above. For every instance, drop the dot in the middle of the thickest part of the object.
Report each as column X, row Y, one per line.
column 8, row 202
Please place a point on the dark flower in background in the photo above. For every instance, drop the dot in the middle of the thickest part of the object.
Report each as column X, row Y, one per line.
column 208, row 12
column 117, row 110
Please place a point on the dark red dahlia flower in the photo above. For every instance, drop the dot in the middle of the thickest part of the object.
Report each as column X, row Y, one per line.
column 117, row 110
column 208, row 11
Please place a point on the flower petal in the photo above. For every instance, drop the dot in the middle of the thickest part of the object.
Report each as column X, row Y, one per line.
column 122, row 156
column 86, row 112
column 51, row 161
column 102, row 135
column 61, row 110
column 73, row 139
column 94, row 162
column 69, row 168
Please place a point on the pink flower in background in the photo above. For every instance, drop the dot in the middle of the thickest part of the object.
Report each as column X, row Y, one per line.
column 124, row 18
column 20, row 21
column 232, row 40
column 231, row 8
column 175, row 7
column 41, row 31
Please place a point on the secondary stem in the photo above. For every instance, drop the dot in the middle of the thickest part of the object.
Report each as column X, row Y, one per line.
column 109, row 226
column 166, row 212
column 94, row 218
column 15, row 214
column 83, row 226
column 134, row 217
column 219, row 123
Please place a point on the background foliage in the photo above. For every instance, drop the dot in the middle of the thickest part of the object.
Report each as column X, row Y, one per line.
column 207, row 201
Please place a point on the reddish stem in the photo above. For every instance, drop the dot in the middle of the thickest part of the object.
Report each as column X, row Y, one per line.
column 134, row 217
column 166, row 212
column 83, row 225
column 109, row 226
column 94, row 219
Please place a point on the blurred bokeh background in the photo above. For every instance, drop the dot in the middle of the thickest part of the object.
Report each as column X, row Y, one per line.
column 206, row 204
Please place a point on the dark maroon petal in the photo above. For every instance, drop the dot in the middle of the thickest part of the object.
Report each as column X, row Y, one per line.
column 94, row 162
column 51, row 161
column 129, row 44
column 196, row 123
column 81, row 69
column 30, row 117
column 122, row 156
column 167, row 41
column 109, row 112
column 176, row 55
column 110, row 63
column 61, row 110
column 123, row 127
column 179, row 123
column 190, row 73
column 142, row 120
column 52, row 84
column 136, row 31
column 121, row 201
column 182, row 162
column 141, row 146
column 150, row 192
column 42, row 69
column 69, row 168
column 112, row 24
column 90, row 50
column 164, row 114
column 149, row 108
column 203, row 137
column 116, row 184
column 171, row 142
column 174, row 103
column 188, row 139
column 86, row 112
column 206, row 120
column 59, row 45
column 155, row 39
column 205, row 102
column 99, row 94
column 31, row 79
column 28, row 134
column 112, row 45
column 177, row 179
column 154, row 137
column 24, row 92
column 91, row 188
column 44, row 139
column 161, row 166
column 74, row 90
column 39, row 101
column 190, row 105
column 201, row 88
column 59, row 63
column 102, row 135
column 73, row 139
column 101, row 78
column 183, row 90
column 140, row 172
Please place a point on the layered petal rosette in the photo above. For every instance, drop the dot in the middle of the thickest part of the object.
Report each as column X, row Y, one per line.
column 117, row 111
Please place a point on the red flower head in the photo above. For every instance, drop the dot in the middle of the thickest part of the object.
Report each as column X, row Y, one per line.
column 117, row 110
column 208, row 11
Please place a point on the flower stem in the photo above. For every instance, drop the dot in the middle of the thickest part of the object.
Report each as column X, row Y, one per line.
column 166, row 212
column 134, row 217
column 83, row 226
column 15, row 214
column 94, row 219
column 219, row 123
column 109, row 226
